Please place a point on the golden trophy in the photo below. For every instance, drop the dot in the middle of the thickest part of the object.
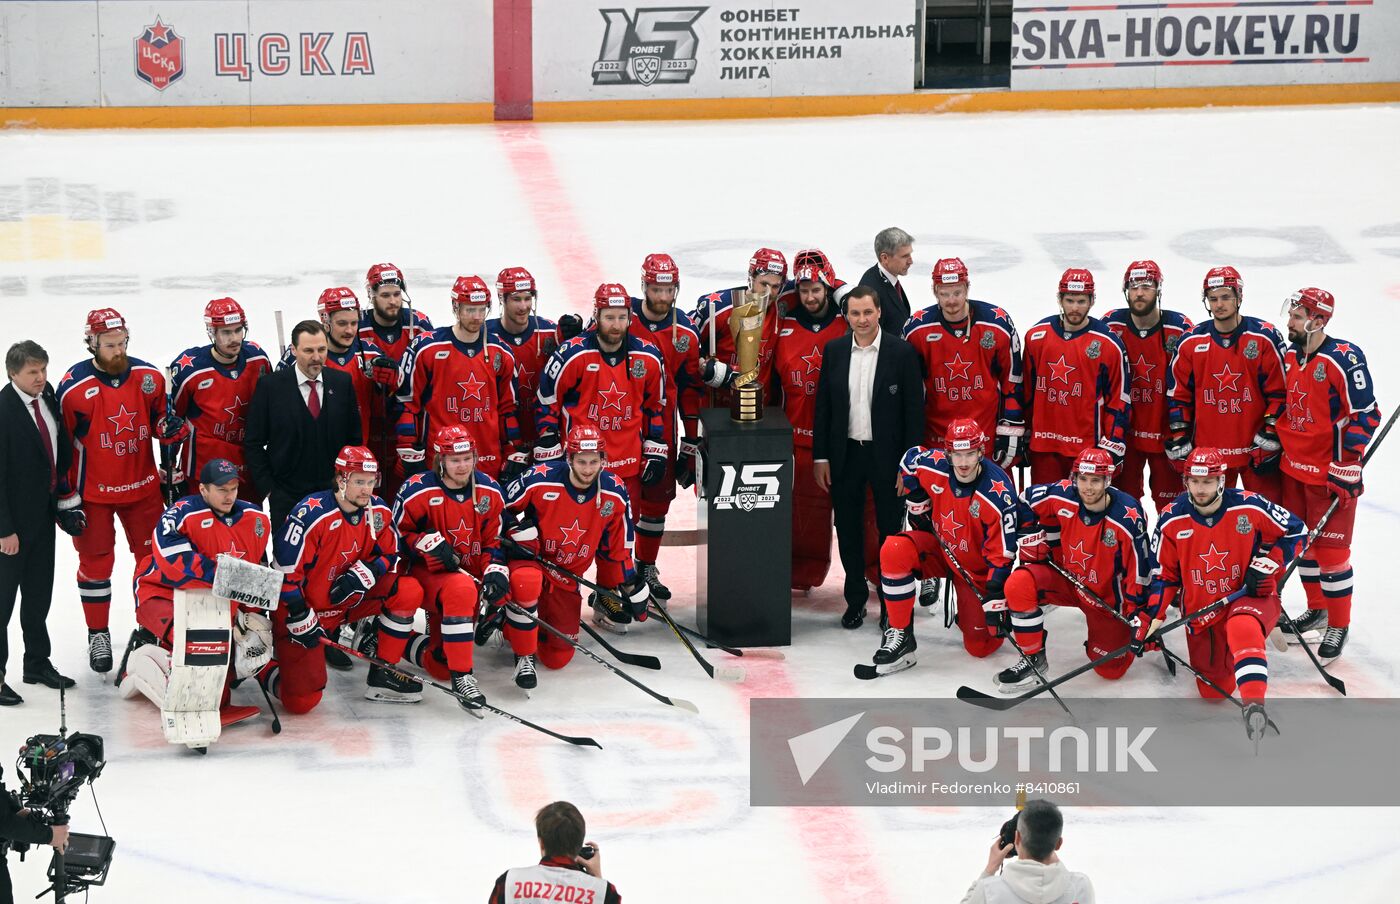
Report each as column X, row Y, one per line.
column 746, row 326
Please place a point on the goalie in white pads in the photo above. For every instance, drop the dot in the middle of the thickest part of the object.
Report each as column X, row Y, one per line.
column 191, row 646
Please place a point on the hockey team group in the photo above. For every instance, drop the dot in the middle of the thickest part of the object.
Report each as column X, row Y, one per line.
column 497, row 459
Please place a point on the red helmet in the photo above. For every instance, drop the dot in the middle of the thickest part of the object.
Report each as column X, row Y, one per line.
column 103, row 320
column 470, row 291
column 1317, row 302
column 380, row 274
column 1077, row 281
column 583, row 438
column 355, row 460
column 950, row 271
column 340, row 298
column 1142, row 272
column 660, row 270
column 1093, row 461
column 1204, row 462
column 223, row 312
column 964, row 435
column 452, row 440
column 814, row 269
column 766, row 260
column 514, row 279
column 1223, row 277
column 611, row 295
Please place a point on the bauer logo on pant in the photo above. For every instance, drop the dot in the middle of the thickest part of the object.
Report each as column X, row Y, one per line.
column 749, row 487
column 160, row 56
column 652, row 45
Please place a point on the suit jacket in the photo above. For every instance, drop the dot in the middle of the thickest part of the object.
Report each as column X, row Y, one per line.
column 287, row 451
column 26, row 504
column 896, row 408
column 894, row 311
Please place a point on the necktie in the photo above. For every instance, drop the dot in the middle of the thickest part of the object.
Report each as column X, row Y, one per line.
column 899, row 287
column 313, row 400
column 48, row 442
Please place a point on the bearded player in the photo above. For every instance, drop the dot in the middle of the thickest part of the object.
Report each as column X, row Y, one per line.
column 532, row 339
column 392, row 324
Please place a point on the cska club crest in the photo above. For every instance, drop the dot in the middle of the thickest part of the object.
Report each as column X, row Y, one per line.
column 1242, row 524
column 160, row 56
column 1094, row 349
column 683, row 343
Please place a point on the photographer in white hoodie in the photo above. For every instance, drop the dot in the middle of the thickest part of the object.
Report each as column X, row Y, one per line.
column 1036, row 875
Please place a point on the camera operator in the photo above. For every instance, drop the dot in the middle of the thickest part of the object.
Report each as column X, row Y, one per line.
column 569, row 869
column 1036, row 875
column 18, row 827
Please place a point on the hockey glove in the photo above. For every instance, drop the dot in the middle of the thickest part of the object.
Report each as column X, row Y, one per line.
column 716, row 374
column 1117, row 450
column 172, row 430
column 1008, row 443
column 919, row 511
column 1344, row 480
column 496, row 584
column 548, row 448
column 72, row 520
column 304, row 627
column 383, row 371
column 1034, row 547
column 653, row 462
column 1260, row 579
column 437, row 553
column 1144, row 626
column 524, row 538
column 172, row 476
column 686, row 459
column 998, row 616
column 636, row 594
column 1264, row 454
column 516, row 463
column 570, row 325
column 410, row 460
column 1178, row 445
column 352, row 586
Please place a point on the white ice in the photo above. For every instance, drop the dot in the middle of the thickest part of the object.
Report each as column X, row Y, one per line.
column 362, row 802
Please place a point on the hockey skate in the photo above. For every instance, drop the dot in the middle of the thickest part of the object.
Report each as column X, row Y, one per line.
column 659, row 591
column 525, row 677
column 609, row 613
column 895, row 655
column 468, row 692
column 928, row 592
column 100, row 650
column 1255, row 721
column 1310, row 625
column 1333, row 640
column 1022, row 676
column 387, row 686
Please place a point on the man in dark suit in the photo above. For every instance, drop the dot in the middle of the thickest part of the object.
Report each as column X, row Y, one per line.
column 35, row 452
column 870, row 410
column 894, row 255
column 300, row 418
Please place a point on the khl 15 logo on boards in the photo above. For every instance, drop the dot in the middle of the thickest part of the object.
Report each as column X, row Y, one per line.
column 653, row 45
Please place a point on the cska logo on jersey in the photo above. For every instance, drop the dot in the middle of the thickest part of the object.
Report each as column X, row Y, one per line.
column 652, row 45
column 160, row 56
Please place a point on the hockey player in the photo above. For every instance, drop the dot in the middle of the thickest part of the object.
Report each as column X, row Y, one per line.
column 458, row 374
column 1326, row 425
column 113, row 406
column 532, row 339
column 575, row 514
column 374, row 374
column 449, row 524
column 1076, row 383
column 1226, row 389
column 185, row 548
column 392, row 324
column 1212, row 542
column 656, row 319
column 339, row 554
column 970, row 503
column 1150, row 336
column 767, row 273
column 971, row 358
column 813, row 321
column 613, row 381
column 1097, row 533
column 211, row 386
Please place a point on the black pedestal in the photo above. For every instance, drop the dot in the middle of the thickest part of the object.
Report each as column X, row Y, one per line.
column 744, row 585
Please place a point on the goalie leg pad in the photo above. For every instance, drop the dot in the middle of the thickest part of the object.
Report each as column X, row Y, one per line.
column 201, row 646
column 147, row 673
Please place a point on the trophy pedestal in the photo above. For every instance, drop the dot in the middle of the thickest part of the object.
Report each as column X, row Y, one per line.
column 744, row 558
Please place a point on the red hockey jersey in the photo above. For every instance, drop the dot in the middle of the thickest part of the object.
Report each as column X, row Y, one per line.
column 319, row 543
column 189, row 538
column 1076, row 387
column 679, row 344
column 1106, row 550
column 447, row 381
column 722, row 303
column 532, row 349
column 1224, row 386
column 622, row 393
column 971, row 369
column 112, row 420
column 1331, row 410
column 469, row 519
column 797, row 362
column 1149, row 364
column 1205, row 556
column 978, row 520
column 394, row 341
column 576, row 527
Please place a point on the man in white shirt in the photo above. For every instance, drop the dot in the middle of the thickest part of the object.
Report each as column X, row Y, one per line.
column 1036, row 876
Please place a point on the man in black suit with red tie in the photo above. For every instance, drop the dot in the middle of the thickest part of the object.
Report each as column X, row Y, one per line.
column 894, row 255
column 35, row 452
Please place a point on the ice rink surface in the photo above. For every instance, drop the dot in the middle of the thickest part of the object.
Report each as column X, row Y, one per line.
column 363, row 802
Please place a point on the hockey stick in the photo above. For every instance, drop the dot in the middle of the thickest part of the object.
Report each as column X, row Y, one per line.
column 276, row 722
column 669, row 701
column 397, row 670
column 1097, row 600
column 761, row 653
column 722, row 673
column 281, row 336
column 169, row 454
